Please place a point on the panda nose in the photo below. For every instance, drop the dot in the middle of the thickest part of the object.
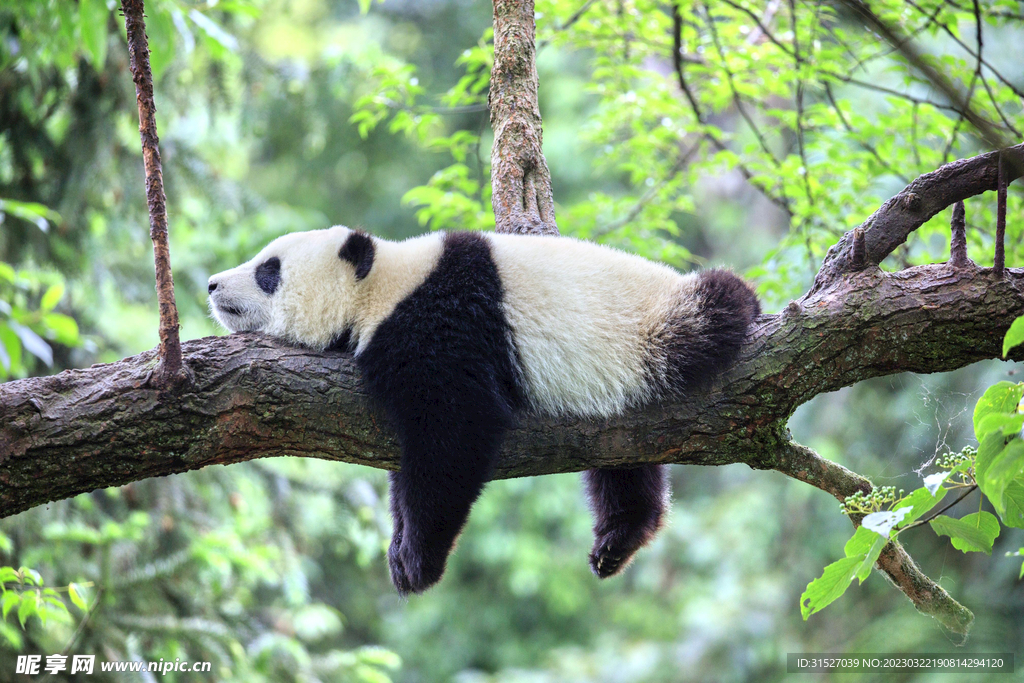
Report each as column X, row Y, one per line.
column 212, row 286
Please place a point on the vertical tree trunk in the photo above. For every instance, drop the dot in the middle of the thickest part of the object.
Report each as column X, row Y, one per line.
column 138, row 53
column 521, row 183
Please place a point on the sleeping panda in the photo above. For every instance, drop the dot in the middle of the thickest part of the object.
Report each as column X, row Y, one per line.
column 456, row 334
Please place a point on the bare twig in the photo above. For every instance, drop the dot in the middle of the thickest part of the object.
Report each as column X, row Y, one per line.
column 888, row 227
column 977, row 15
column 992, row 136
column 138, row 51
column 1000, row 257
column 798, row 70
column 760, row 25
column 769, row 13
column 924, row 520
column 652, row 192
column 857, row 257
column 958, row 237
column 677, row 43
column 85, row 621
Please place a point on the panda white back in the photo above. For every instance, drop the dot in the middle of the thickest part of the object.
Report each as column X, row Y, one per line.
column 586, row 319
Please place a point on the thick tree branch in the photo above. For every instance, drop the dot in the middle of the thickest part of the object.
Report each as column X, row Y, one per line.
column 889, row 226
column 138, row 53
column 520, row 180
column 253, row 397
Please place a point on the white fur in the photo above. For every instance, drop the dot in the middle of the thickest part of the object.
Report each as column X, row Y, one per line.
column 585, row 318
column 319, row 296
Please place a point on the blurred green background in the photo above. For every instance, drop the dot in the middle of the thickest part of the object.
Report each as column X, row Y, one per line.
column 283, row 115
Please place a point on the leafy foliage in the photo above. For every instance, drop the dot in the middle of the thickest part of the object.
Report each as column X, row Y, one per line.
column 995, row 468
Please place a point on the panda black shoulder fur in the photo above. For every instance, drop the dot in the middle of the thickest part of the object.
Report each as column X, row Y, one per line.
column 457, row 333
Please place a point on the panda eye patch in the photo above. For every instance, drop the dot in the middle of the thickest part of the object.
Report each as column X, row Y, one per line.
column 268, row 275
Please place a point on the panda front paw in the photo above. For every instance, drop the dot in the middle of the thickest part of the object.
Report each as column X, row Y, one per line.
column 412, row 571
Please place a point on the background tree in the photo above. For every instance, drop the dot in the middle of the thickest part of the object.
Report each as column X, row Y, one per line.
column 790, row 122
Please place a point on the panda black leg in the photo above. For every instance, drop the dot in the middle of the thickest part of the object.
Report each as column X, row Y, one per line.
column 398, row 576
column 629, row 508
column 442, row 367
column 430, row 501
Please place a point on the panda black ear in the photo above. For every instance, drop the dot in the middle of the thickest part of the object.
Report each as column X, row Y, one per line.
column 358, row 250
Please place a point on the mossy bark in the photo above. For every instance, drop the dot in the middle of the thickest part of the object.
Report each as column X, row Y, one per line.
column 520, row 181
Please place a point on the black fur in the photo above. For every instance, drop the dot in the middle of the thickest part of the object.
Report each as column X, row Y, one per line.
column 268, row 275
column 343, row 342
column 444, row 369
column 442, row 366
column 629, row 504
column 727, row 308
column 629, row 509
column 359, row 251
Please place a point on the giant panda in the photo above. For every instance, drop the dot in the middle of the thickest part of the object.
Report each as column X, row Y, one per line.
column 457, row 334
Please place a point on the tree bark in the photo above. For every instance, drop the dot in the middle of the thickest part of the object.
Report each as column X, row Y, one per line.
column 890, row 225
column 138, row 54
column 520, row 181
column 253, row 397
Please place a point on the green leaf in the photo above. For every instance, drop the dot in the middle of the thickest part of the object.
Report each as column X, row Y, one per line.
column 219, row 41
column 11, row 635
column 830, row 586
column 27, row 607
column 1000, row 398
column 51, row 298
column 32, row 342
column 8, row 601
column 12, row 346
column 38, row 214
column 1014, row 336
column 863, row 570
column 860, row 543
column 974, row 533
column 999, row 467
column 378, row 656
column 31, row 576
column 920, row 502
column 160, row 30
column 1000, row 422
column 1013, row 500
column 62, row 328
column 92, row 25
column 75, row 593
column 9, row 575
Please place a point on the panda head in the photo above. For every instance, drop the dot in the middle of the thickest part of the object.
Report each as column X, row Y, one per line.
column 304, row 287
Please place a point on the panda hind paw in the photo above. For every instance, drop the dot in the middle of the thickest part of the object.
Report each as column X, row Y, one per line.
column 412, row 572
column 611, row 555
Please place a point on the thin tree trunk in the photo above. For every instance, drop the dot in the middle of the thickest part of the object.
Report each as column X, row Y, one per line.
column 138, row 53
column 520, row 180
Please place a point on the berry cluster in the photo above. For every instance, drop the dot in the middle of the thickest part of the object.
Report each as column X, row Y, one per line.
column 877, row 499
